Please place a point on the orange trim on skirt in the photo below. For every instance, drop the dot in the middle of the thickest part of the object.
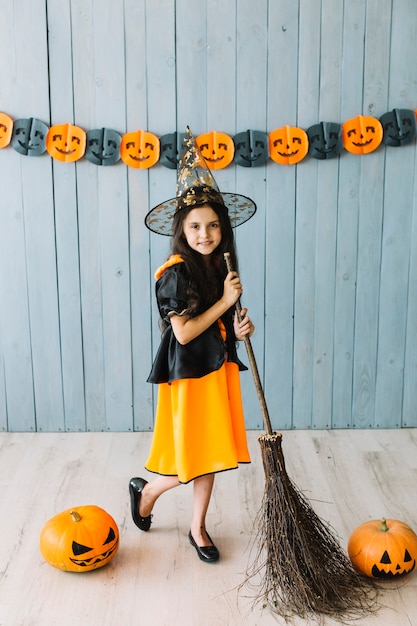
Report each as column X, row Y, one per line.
column 199, row 426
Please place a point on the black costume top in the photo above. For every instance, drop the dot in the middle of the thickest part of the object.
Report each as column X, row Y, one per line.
column 204, row 354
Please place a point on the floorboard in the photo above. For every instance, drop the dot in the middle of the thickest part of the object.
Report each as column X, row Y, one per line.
column 156, row 578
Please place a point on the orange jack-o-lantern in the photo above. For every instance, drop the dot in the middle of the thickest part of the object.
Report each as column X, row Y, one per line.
column 66, row 142
column 140, row 149
column 383, row 548
column 80, row 539
column 362, row 134
column 288, row 145
column 217, row 149
column 6, row 129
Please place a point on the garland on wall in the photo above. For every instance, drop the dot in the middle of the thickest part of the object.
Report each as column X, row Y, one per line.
column 142, row 149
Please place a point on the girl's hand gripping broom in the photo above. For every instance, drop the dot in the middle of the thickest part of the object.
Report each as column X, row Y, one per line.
column 302, row 568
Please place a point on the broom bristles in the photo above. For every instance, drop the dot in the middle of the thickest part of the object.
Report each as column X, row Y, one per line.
column 302, row 569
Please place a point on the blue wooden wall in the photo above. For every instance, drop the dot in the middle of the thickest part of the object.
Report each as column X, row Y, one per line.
column 329, row 262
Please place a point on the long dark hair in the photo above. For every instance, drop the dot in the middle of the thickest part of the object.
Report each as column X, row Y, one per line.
column 205, row 287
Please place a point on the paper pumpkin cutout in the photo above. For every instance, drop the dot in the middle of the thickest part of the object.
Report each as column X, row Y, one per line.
column 6, row 129
column 170, row 149
column 399, row 126
column 217, row 149
column 140, row 149
column 288, row 145
column 251, row 148
column 325, row 140
column 66, row 142
column 103, row 146
column 362, row 134
column 29, row 136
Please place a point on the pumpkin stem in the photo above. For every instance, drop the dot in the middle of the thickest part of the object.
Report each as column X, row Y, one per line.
column 76, row 517
column 384, row 528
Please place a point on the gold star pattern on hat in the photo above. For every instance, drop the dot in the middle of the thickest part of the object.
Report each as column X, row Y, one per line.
column 196, row 186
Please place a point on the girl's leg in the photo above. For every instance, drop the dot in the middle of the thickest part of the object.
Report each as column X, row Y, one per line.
column 203, row 487
column 152, row 491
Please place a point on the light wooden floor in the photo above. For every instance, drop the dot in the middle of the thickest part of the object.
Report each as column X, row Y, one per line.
column 156, row 578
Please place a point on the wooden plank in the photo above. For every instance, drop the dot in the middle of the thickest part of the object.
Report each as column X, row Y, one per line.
column 224, row 73
column 104, row 224
column 17, row 410
column 347, row 225
column 407, row 98
column 394, row 287
column 191, row 65
column 110, row 108
column 15, row 324
column 409, row 412
column 3, row 403
column 306, row 220
column 66, row 221
column 326, row 229
column 250, row 113
column 38, row 215
column 279, row 218
column 82, row 68
column 370, row 224
column 396, row 242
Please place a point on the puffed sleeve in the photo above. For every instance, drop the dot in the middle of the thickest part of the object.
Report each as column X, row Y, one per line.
column 171, row 292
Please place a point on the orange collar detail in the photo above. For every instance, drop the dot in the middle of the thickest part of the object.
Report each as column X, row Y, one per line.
column 173, row 260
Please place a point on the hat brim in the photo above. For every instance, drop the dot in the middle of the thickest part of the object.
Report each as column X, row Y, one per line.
column 159, row 219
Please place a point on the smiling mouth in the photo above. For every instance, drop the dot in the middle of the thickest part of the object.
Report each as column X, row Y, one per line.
column 254, row 158
column 214, row 160
column 102, row 156
column 326, row 150
column 27, row 146
column 399, row 137
column 288, row 154
column 65, row 151
column 360, row 145
column 135, row 158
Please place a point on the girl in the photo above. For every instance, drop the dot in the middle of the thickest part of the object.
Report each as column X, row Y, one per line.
column 199, row 426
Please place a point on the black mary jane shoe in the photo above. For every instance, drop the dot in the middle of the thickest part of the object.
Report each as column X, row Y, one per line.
column 136, row 486
column 208, row 554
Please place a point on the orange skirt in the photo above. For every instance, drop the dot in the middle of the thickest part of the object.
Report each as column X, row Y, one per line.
column 199, row 426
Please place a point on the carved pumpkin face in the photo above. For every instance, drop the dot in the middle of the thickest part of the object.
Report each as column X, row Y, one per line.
column 383, row 548
column 399, row 127
column 29, row 136
column 80, row 539
column 288, row 145
column 140, row 149
column 66, row 142
column 170, row 149
column 251, row 148
column 217, row 149
column 6, row 129
column 362, row 134
column 103, row 146
column 325, row 140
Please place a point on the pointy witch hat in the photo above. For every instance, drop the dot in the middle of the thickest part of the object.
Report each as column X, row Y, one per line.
column 196, row 186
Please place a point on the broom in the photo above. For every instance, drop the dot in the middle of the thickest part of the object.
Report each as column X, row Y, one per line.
column 303, row 569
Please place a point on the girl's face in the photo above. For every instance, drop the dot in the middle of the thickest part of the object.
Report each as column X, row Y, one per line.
column 202, row 229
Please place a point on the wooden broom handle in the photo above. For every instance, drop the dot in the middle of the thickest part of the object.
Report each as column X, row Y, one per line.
column 252, row 360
